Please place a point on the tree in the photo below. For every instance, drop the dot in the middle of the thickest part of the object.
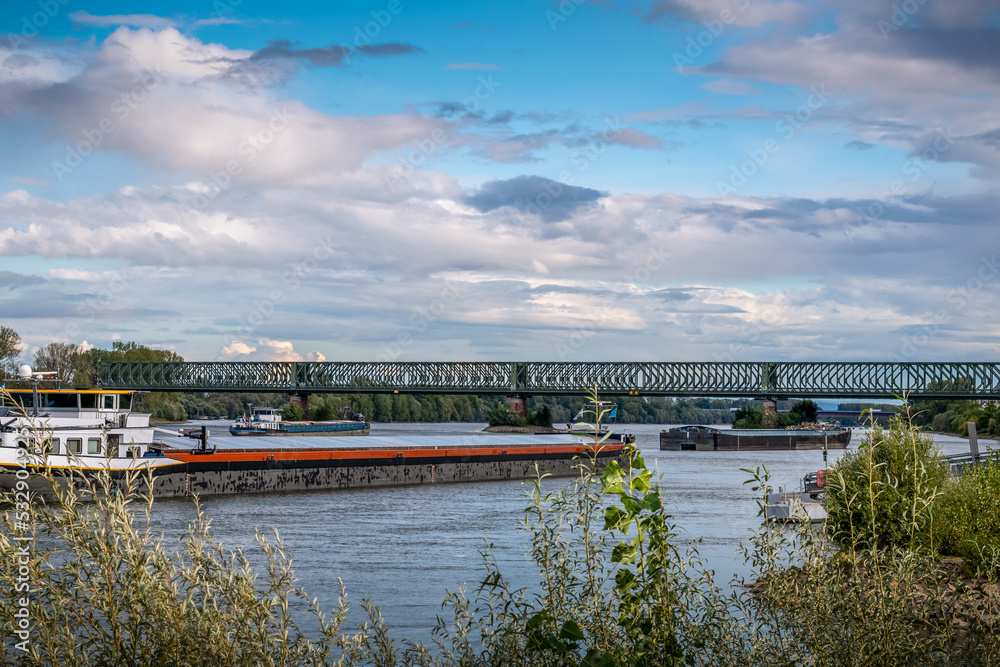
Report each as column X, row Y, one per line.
column 10, row 351
column 805, row 411
column 61, row 358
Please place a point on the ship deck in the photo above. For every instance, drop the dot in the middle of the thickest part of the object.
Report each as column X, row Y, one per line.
column 284, row 443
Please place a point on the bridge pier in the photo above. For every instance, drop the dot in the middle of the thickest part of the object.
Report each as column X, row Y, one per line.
column 770, row 405
column 301, row 400
column 517, row 403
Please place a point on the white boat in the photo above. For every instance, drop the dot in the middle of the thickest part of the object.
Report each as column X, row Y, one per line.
column 802, row 506
column 84, row 429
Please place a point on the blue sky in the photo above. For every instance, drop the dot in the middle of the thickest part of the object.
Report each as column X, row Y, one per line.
column 674, row 180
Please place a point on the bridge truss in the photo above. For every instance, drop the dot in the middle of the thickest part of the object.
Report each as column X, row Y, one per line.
column 916, row 380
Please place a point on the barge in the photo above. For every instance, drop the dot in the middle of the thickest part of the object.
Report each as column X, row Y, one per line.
column 708, row 439
column 268, row 421
column 78, row 434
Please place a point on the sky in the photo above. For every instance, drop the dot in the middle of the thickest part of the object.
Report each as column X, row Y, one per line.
column 676, row 180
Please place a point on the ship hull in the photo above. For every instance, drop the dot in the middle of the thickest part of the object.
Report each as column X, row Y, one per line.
column 182, row 473
column 348, row 428
column 706, row 439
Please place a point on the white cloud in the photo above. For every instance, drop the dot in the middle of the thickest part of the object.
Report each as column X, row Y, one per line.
column 135, row 20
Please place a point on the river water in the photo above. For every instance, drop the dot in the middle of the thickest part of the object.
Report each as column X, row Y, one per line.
column 404, row 547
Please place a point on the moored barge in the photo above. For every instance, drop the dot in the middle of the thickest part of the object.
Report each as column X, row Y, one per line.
column 73, row 431
column 706, row 438
column 269, row 421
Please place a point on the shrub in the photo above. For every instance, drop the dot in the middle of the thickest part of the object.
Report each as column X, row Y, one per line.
column 292, row 412
column 615, row 588
column 882, row 494
column 499, row 415
column 968, row 516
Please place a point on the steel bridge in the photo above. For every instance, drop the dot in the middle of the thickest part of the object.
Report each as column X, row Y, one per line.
column 915, row 380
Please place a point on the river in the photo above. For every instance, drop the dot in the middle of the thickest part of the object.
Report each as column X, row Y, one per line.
column 404, row 547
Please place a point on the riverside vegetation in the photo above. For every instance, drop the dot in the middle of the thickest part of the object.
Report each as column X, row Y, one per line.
column 615, row 586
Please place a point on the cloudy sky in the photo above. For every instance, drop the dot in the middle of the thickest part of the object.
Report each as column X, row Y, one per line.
column 527, row 180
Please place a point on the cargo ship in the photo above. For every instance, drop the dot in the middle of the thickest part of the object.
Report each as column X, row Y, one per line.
column 708, row 439
column 269, row 421
column 93, row 430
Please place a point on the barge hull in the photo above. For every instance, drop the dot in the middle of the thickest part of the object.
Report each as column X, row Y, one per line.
column 223, row 479
column 185, row 473
column 711, row 440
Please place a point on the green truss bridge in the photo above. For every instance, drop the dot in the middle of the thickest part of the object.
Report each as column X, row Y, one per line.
column 968, row 380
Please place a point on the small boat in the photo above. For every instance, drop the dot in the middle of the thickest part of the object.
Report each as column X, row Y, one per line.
column 268, row 421
column 802, row 506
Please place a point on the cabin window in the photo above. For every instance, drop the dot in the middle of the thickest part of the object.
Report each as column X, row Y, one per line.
column 88, row 401
column 58, row 400
column 109, row 402
column 73, row 445
column 93, row 445
column 125, row 402
column 53, row 444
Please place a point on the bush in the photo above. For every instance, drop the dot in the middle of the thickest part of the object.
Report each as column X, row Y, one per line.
column 882, row 494
column 292, row 412
column 969, row 516
column 615, row 588
column 804, row 411
column 499, row 415
column 323, row 412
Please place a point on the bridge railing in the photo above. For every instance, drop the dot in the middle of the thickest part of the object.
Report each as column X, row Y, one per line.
column 732, row 379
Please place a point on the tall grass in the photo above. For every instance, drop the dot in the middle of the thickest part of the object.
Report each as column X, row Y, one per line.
column 613, row 587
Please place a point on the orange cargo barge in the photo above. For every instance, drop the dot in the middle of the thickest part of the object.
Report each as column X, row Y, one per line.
column 217, row 466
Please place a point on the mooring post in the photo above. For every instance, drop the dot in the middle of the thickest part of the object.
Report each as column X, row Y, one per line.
column 973, row 442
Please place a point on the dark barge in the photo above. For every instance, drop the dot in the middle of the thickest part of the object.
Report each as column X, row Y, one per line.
column 227, row 466
column 708, row 439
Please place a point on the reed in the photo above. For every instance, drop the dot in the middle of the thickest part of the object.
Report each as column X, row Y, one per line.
column 614, row 586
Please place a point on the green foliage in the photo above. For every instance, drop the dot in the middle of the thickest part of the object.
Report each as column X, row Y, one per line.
column 10, row 350
column 968, row 516
column 292, row 412
column 804, row 411
column 953, row 416
column 322, row 412
column 883, row 493
column 749, row 416
column 614, row 590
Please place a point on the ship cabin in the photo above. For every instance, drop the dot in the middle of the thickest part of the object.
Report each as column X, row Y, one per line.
column 74, row 421
column 265, row 414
